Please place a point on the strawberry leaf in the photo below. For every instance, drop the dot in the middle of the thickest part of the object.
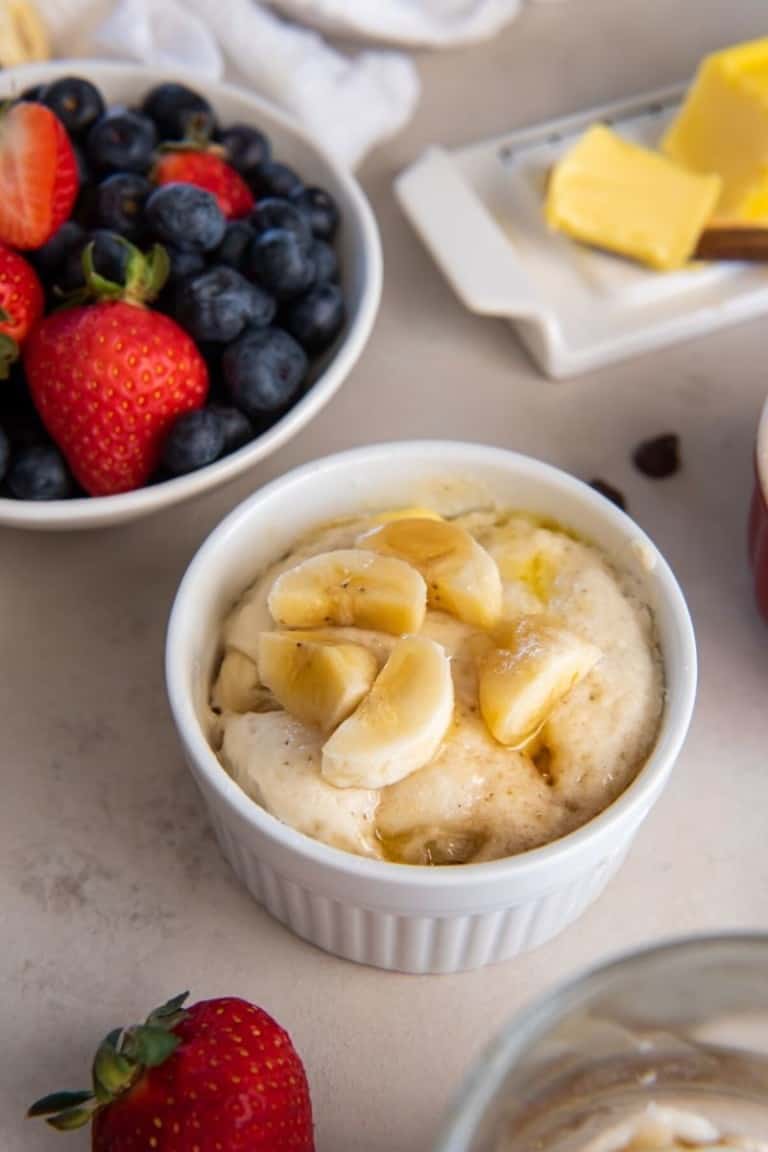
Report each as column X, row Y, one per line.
column 121, row 1059
column 150, row 1046
column 197, row 139
column 9, row 352
column 113, row 1072
column 99, row 286
column 71, row 1119
column 154, row 272
column 168, row 1015
column 171, row 1007
column 57, row 1102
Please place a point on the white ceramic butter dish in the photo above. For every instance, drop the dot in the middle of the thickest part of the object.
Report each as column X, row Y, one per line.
column 479, row 210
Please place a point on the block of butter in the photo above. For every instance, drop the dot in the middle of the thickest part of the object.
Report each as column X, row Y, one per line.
column 614, row 194
column 723, row 127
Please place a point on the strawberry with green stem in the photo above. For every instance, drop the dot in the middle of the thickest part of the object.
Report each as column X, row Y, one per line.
column 110, row 377
column 220, row 1076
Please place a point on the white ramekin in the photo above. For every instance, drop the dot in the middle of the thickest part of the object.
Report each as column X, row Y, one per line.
column 415, row 919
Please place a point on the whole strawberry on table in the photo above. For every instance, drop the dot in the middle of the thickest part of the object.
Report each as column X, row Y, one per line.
column 219, row 1076
column 165, row 285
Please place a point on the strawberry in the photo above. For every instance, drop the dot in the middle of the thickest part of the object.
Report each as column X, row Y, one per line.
column 21, row 305
column 109, row 378
column 207, row 170
column 220, row 1076
column 38, row 175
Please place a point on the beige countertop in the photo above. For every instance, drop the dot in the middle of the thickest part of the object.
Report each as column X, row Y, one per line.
column 113, row 894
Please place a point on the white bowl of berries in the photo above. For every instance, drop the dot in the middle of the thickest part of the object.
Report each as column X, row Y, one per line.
column 185, row 281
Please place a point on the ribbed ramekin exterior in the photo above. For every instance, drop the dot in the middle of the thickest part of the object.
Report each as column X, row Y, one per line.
column 415, row 943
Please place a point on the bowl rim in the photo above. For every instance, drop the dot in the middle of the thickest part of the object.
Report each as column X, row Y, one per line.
column 630, row 806
column 479, row 1086
column 83, row 512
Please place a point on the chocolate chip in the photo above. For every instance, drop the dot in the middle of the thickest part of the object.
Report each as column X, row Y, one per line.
column 610, row 493
column 659, row 457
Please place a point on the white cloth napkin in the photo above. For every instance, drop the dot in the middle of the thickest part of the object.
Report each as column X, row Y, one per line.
column 347, row 103
column 436, row 23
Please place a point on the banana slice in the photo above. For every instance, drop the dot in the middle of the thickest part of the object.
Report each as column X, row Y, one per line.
column 530, row 560
column 23, row 36
column 379, row 644
column 238, row 688
column 319, row 684
column 461, row 576
column 400, row 724
column 525, row 678
column 413, row 513
column 350, row 587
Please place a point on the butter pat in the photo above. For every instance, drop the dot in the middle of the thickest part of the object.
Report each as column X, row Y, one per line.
column 616, row 195
column 723, row 128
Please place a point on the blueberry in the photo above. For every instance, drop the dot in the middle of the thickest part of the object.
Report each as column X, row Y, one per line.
column 211, row 351
column 18, row 414
column 326, row 261
column 184, row 265
column 275, row 179
column 185, row 216
column 76, row 102
column 121, row 141
column 5, row 449
column 282, row 263
column 196, row 439
column 272, row 212
column 178, row 111
column 33, row 93
column 84, row 211
column 109, row 255
column 246, row 147
column 39, row 473
column 83, row 168
column 236, row 428
column 321, row 208
column 264, row 371
column 220, row 303
column 49, row 259
column 120, row 201
column 234, row 247
column 316, row 319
